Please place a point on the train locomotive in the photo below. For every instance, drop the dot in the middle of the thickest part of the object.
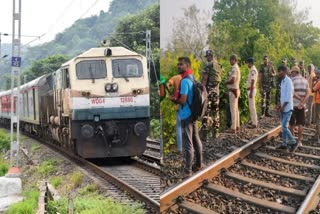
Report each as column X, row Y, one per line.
column 96, row 105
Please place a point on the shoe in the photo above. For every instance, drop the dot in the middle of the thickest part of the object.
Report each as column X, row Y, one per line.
column 294, row 147
column 282, row 147
column 267, row 114
column 197, row 168
column 230, row 131
column 186, row 174
column 252, row 126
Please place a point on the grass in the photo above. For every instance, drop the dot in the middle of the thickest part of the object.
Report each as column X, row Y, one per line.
column 76, row 178
column 47, row 167
column 89, row 189
column 55, row 181
column 28, row 205
column 4, row 140
column 35, row 147
column 4, row 166
column 93, row 205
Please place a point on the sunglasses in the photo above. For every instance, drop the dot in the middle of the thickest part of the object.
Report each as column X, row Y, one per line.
column 180, row 64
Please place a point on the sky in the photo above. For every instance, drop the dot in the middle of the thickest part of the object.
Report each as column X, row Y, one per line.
column 47, row 16
column 170, row 10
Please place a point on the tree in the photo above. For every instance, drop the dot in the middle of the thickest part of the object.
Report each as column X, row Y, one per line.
column 190, row 32
column 45, row 66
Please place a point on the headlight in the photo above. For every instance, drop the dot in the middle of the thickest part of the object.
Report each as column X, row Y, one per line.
column 96, row 118
column 108, row 87
column 87, row 131
column 114, row 87
column 140, row 129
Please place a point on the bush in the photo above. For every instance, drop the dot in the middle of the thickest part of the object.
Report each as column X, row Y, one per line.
column 76, row 178
column 89, row 189
column 28, row 205
column 93, row 205
column 155, row 129
column 4, row 140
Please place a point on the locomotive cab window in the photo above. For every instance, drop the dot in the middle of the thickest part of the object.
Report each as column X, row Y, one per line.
column 91, row 69
column 127, row 68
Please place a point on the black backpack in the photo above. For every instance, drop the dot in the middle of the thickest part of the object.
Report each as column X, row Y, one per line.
column 199, row 103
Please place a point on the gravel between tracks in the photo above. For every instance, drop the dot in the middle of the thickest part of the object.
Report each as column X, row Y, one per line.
column 172, row 167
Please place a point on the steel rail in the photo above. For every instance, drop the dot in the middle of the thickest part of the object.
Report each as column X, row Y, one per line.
column 169, row 197
column 137, row 194
column 312, row 199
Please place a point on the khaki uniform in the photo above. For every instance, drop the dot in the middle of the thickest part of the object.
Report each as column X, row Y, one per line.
column 234, row 110
column 211, row 122
column 253, row 75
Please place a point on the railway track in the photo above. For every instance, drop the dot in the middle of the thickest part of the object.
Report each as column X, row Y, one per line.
column 255, row 178
column 127, row 181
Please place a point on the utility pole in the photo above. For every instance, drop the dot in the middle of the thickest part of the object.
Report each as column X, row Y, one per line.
column 148, row 50
column 15, row 73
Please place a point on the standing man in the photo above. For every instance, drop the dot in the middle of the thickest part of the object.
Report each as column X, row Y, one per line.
column 278, row 82
column 285, row 107
column 310, row 113
column 211, row 78
column 300, row 97
column 175, row 83
column 316, row 101
column 251, row 88
column 190, row 133
column 234, row 92
column 302, row 70
column 266, row 76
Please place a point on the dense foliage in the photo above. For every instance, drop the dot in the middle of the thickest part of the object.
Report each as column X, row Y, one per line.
column 246, row 28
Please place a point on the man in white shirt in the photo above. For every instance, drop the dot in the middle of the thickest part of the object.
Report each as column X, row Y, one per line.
column 285, row 107
column 251, row 88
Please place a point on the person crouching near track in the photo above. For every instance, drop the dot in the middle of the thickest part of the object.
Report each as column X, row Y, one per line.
column 190, row 134
column 285, row 107
column 316, row 101
column 300, row 98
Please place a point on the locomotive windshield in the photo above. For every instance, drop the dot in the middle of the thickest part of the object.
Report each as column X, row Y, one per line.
column 123, row 68
column 91, row 69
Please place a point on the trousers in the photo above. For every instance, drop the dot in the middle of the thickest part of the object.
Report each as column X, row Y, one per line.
column 191, row 144
column 286, row 133
column 178, row 132
column 234, row 110
column 252, row 107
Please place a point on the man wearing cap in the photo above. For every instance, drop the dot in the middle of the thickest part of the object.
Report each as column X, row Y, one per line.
column 234, row 92
column 285, row 108
column 266, row 74
column 302, row 70
column 310, row 113
column 251, row 88
column 300, row 98
column 211, row 78
column 316, row 101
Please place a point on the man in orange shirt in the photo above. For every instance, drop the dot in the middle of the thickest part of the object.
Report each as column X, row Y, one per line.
column 175, row 83
column 316, row 101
